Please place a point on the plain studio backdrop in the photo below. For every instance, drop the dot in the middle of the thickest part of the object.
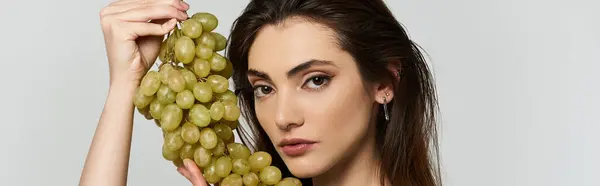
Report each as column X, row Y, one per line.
column 518, row 84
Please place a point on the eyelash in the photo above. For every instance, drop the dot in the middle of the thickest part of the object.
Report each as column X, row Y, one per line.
column 324, row 78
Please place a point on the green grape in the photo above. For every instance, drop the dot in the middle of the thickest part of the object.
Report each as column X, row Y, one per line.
column 208, row 138
column 250, row 179
column 259, row 160
column 223, row 166
column 217, row 62
column 238, row 150
column 208, row 20
column 176, row 81
column 201, row 67
column 157, row 122
column 199, row 115
column 162, row 54
column 178, row 162
column 190, row 133
column 219, row 150
column 223, row 131
column 226, row 96
column 286, row 183
column 156, row 109
column 191, row 28
column 165, row 95
column 241, row 166
column 173, row 140
column 171, row 117
column 140, row 100
column 202, row 157
column 212, row 123
column 203, row 52
column 190, row 78
column 187, row 151
column 228, row 71
column 145, row 112
column 296, row 181
column 270, row 175
column 216, row 111
column 221, row 41
column 233, row 124
column 231, row 140
column 210, row 174
column 261, row 184
column 203, row 92
column 218, row 83
column 167, row 45
column 185, row 49
column 150, row 83
column 232, row 180
column 164, row 73
column 172, row 39
column 213, row 159
column 185, row 99
column 232, row 111
column 170, row 155
column 207, row 40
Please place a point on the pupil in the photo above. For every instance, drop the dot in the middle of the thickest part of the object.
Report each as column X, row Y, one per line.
column 318, row 81
column 265, row 90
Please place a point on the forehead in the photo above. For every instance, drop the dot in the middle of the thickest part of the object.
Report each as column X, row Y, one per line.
column 283, row 46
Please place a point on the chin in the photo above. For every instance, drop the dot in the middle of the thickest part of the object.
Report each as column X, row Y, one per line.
column 306, row 166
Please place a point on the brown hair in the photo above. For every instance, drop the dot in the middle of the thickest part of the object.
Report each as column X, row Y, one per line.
column 407, row 144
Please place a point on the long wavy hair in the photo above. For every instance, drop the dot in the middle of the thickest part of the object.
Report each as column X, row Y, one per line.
column 406, row 145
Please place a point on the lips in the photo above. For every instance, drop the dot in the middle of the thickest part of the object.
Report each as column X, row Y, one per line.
column 296, row 146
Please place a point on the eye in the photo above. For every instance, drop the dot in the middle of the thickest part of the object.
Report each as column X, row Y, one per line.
column 261, row 91
column 317, row 82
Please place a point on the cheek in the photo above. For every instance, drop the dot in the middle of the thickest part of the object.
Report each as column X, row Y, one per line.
column 341, row 111
column 265, row 112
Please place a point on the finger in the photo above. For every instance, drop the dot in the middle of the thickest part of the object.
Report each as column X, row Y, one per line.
column 131, row 4
column 120, row 2
column 177, row 3
column 140, row 29
column 195, row 173
column 184, row 173
column 143, row 14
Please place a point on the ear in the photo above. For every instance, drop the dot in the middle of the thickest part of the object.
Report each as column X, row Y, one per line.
column 385, row 91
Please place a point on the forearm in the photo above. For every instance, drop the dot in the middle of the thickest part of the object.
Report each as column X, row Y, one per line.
column 108, row 157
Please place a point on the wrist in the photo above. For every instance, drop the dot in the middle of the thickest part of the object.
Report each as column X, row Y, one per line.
column 122, row 88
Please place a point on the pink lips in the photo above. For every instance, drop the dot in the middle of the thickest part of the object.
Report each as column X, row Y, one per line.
column 296, row 146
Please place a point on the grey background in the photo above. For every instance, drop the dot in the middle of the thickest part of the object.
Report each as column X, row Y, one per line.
column 517, row 79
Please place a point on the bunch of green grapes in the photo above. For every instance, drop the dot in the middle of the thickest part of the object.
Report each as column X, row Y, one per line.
column 189, row 99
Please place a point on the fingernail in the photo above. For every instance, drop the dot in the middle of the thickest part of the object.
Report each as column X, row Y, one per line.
column 171, row 23
column 185, row 5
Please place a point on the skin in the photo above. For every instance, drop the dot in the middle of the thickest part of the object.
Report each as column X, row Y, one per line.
column 132, row 45
column 322, row 102
column 335, row 115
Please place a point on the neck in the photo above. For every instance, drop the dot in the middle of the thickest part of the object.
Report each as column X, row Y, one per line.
column 359, row 168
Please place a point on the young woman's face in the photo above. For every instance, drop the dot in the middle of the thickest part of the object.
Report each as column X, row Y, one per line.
column 310, row 98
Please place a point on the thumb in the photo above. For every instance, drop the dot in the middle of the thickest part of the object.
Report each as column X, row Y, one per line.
column 195, row 174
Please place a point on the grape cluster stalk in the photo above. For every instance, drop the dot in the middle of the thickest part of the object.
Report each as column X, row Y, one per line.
column 188, row 97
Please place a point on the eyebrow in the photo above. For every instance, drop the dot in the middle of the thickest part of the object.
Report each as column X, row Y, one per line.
column 293, row 71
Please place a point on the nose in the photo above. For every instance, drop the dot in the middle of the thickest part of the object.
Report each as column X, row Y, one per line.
column 288, row 112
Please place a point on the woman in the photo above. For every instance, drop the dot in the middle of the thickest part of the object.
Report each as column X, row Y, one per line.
column 333, row 89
